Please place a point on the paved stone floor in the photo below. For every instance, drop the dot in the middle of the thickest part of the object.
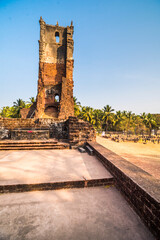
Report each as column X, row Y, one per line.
column 74, row 214
column 41, row 166
column 145, row 156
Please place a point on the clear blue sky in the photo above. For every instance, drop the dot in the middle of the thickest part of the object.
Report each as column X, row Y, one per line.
column 117, row 50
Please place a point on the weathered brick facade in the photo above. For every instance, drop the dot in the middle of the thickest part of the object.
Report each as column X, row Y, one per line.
column 55, row 83
column 79, row 132
column 53, row 110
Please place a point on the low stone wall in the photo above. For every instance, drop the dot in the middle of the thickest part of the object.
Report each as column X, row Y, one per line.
column 56, row 129
column 75, row 131
column 79, row 132
column 139, row 188
column 29, row 134
column 16, row 123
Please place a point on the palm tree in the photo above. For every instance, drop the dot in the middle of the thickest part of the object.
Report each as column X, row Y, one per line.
column 143, row 115
column 87, row 114
column 149, row 121
column 129, row 119
column 7, row 112
column 117, row 119
column 108, row 108
column 76, row 101
column 139, row 126
column 97, row 116
column 124, row 113
column 32, row 99
column 18, row 105
column 30, row 103
column 107, row 116
column 77, row 107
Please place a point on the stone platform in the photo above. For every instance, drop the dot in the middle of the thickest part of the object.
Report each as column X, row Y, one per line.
column 32, row 144
column 50, row 169
column 91, row 213
column 81, row 213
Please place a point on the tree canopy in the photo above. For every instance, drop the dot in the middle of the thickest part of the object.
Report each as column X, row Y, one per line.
column 109, row 120
column 105, row 119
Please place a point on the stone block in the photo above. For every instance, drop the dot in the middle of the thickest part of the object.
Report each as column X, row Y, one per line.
column 82, row 150
column 4, row 133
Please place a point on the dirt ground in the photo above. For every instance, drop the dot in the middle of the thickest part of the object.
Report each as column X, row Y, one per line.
column 145, row 156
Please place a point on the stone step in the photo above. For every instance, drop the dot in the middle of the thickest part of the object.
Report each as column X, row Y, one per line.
column 89, row 150
column 31, row 145
column 11, row 142
column 28, row 144
column 34, row 147
column 56, row 185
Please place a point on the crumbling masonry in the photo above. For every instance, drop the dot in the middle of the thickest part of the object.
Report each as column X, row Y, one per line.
column 52, row 115
column 55, row 83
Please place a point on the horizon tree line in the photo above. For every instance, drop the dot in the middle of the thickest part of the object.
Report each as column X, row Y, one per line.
column 105, row 119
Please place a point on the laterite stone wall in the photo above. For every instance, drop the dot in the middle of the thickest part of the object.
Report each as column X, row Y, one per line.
column 55, row 72
column 75, row 131
column 79, row 132
column 139, row 189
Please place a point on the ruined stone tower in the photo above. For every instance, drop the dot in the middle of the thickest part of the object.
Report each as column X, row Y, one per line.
column 55, row 83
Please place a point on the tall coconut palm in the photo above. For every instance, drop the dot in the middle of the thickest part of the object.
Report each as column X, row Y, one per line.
column 77, row 107
column 107, row 116
column 129, row 117
column 139, row 126
column 97, row 116
column 108, row 109
column 117, row 119
column 143, row 115
column 87, row 114
column 124, row 113
column 30, row 102
column 150, row 122
column 18, row 105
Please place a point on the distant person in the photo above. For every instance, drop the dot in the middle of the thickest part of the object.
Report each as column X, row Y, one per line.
column 103, row 134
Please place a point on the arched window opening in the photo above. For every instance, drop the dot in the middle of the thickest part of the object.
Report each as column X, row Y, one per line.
column 56, row 99
column 57, row 37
